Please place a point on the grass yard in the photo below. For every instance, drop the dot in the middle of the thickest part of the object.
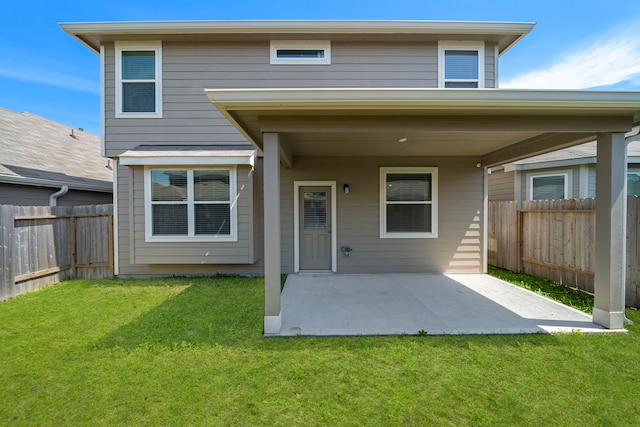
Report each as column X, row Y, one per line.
column 190, row 352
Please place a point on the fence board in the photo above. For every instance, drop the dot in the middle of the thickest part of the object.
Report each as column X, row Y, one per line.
column 556, row 240
column 42, row 245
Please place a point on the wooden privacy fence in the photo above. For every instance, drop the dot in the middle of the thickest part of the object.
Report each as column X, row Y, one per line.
column 555, row 239
column 42, row 245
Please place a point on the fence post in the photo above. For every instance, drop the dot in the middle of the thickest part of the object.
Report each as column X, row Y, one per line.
column 7, row 274
column 72, row 245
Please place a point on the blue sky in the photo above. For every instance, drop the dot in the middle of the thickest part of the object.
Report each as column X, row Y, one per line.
column 583, row 44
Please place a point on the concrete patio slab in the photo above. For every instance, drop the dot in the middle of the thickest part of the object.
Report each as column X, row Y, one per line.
column 390, row 304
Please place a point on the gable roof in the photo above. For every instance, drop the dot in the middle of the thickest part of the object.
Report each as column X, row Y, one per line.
column 38, row 151
column 504, row 34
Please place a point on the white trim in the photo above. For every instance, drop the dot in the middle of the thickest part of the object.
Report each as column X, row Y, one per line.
column 116, row 239
column 148, row 45
column 191, row 237
column 448, row 45
column 296, row 222
column 526, row 101
column 434, row 203
column 272, row 324
column 195, row 158
column 485, row 221
column 103, row 126
column 568, row 182
column 496, row 68
column 324, row 45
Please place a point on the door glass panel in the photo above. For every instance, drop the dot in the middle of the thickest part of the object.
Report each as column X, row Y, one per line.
column 315, row 210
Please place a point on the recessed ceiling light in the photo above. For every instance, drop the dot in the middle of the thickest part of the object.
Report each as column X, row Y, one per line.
column 402, row 140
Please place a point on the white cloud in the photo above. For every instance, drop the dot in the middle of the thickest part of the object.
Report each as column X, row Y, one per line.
column 49, row 78
column 612, row 59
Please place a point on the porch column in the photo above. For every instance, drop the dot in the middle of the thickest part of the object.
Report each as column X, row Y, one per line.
column 611, row 230
column 271, row 162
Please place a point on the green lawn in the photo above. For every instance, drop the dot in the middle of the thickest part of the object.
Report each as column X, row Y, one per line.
column 190, row 352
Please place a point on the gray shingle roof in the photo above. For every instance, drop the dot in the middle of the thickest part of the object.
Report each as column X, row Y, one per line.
column 587, row 150
column 33, row 148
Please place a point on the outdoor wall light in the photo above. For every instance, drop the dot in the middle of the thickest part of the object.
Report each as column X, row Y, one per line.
column 346, row 188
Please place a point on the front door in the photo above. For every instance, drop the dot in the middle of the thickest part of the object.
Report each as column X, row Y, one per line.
column 315, row 228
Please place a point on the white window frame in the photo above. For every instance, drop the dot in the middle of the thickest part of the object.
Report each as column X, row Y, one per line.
column 434, row 203
column 324, row 45
column 448, row 45
column 156, row 47
column 566, row 174
column 191, row 237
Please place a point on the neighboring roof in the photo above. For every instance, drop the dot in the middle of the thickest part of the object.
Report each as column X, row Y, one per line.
column 37, row 151
column 586, row 152
column 505, row 34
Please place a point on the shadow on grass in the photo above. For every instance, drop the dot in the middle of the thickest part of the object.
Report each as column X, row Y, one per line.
column 220, row 310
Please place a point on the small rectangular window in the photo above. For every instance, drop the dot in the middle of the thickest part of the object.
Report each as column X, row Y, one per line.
column 461, row 65
column 408, row 202
column 191, row 203
column 301, row 52
column 549, row 186
column 138, row 83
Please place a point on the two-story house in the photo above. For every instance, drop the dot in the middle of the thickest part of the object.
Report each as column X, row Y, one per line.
column 269, row 147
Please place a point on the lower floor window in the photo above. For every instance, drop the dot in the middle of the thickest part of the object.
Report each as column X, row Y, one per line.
column 633, row 184
column 191, row 203
column 549, row 187
column 408, row 202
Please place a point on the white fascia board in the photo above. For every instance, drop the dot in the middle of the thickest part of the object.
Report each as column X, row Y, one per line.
column 295, row 26
column 175, row 158
column 39, row 182
column 420, row 98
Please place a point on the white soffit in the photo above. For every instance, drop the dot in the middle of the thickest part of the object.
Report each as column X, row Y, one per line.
column 187, row 157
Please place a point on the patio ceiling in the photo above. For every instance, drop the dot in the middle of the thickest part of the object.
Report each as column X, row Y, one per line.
column 497, row 126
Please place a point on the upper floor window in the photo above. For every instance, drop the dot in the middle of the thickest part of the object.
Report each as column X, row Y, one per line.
column 408, row 202
column 301, row 52
column 138, row 79
column 461, row 64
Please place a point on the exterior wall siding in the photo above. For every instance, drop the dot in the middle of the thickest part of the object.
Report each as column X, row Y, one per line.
column 140, row 258
column 458, row 247
column 188, row 68
column 574, row 173
column 501, row 185
column 28, row 195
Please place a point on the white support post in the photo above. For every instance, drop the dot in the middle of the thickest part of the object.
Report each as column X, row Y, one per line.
column 272, row 263
column 611, row 217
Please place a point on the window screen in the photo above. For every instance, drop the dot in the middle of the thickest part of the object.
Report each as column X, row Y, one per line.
column 408, row 202
column 191, row 202
column 633, row 184
column 548, row 187
column 138, row 81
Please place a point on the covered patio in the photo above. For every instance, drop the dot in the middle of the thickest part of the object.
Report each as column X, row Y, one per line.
column 465, row 130
column 433, row 304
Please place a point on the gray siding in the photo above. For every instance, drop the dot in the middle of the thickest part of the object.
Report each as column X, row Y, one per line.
column 458, row 248
column 501, row 185
column 189, row 118
column 489, row 65
column 137, row 257
column 28, row 195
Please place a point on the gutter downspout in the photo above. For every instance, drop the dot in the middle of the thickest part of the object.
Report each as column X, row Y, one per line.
column 53, row 199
